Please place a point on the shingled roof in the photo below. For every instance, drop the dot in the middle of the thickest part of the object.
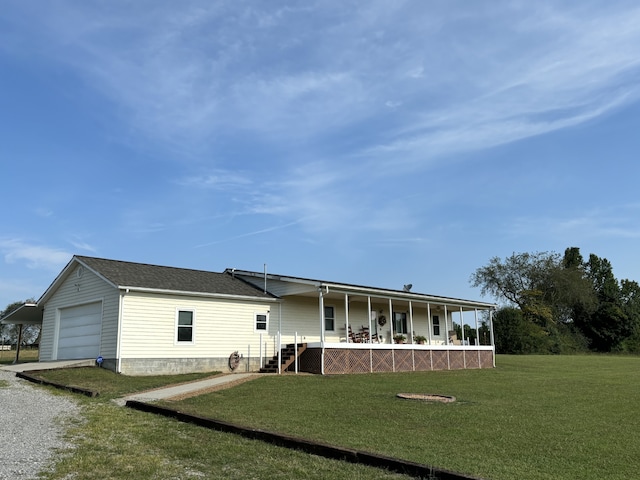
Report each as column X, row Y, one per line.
column 155, row 277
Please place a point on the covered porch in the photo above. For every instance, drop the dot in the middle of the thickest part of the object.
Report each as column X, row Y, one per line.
column 366, row 330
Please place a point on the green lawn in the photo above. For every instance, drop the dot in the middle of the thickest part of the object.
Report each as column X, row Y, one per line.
column 533, row 417
column 110, row 385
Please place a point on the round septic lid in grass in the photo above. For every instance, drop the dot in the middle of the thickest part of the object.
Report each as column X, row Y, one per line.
column 427, row 397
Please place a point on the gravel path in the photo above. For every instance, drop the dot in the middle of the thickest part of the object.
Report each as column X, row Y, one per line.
column 30, row 427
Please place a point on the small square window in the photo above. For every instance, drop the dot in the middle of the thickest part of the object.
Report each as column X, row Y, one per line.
column 185, row 326
column 262, row 320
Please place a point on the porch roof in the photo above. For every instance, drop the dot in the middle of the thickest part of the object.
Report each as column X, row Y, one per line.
column 363, row 291
column 27, row 314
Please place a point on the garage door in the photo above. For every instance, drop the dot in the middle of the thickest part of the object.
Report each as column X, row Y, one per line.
column 79, row 333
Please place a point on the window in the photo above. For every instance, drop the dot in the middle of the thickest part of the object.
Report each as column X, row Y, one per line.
column 185, row 326
column 329, row 319
column 399, row 322
column 436, row 326
column 262, row 321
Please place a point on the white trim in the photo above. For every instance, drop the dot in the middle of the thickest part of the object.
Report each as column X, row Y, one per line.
column 200, row 294
column 398, row 346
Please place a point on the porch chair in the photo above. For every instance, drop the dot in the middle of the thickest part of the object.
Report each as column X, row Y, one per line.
column 364, row 334
column 353, row 338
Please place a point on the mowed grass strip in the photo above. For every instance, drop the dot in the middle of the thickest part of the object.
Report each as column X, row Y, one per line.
column 117, row 443
column 533, row 417
column 111, row 385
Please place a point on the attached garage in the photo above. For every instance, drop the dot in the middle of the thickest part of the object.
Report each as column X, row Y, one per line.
column 79, row 331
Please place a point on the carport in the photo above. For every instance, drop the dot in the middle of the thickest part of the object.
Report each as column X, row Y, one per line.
column 26, row 314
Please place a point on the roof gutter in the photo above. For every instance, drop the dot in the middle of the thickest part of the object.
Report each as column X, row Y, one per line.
column 197, row 294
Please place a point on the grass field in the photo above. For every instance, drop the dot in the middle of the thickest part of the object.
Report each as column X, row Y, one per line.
column 533, row 417
column 26, row 355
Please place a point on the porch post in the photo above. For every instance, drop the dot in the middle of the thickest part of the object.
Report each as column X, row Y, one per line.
column 346, row 317
column 464, row 352
column 371, row 334
column 18, row 343
column 369, row 315
column 393, row 353
column 446, row 326
column 429, row 326
column 279, row 353
column 493, row 343
column 391, row 320
column 475, row 310
column 477, row 338
column 411, row 320
column 446, row 335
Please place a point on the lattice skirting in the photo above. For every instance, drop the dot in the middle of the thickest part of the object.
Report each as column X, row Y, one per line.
column 338, row 360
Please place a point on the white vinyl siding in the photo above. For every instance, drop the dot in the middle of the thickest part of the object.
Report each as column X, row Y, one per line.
column 221, row 326
column 81, row 290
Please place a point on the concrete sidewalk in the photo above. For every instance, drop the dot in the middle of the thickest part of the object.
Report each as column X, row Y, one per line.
column 188, row 388
column 30, row 366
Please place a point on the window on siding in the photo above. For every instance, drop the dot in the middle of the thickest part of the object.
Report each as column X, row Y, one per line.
column 329, row 319
column 185, row 326
column 262, row 321
column 400, row 322
column 436, row 326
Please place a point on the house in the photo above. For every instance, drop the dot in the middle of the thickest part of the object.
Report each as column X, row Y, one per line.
column 148, row 319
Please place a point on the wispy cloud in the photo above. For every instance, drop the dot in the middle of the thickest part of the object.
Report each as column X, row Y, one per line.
column 34, row 256
column 457, row 79
column 614, row 222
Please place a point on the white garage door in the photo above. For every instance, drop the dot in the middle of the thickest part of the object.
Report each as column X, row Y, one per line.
column 79, row 334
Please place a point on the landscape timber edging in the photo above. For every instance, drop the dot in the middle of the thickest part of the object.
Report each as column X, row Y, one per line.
column 60, row 386
column 414, row 469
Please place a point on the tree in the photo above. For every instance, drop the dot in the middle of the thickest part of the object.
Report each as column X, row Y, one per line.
column 515, row 334
column 573, row 301
column 523, row 280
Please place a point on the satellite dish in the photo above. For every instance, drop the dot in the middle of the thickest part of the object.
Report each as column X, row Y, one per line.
column 407, row 287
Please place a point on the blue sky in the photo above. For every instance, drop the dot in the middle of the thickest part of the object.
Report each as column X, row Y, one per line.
column 378, row 143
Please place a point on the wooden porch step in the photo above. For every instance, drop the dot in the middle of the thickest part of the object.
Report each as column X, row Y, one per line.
column 287, row 358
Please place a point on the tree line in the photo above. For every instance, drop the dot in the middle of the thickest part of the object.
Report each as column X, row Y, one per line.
column 554, row 303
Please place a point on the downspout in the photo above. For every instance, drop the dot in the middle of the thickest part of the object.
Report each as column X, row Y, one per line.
column 119, row 334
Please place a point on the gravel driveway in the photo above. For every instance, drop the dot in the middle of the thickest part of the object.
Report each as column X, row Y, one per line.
column 30, row 429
